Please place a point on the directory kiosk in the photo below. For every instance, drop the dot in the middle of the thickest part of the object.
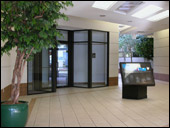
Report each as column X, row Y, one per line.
column 135, row 79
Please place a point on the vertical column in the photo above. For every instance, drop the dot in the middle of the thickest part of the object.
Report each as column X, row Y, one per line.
column 70, row 58
column 161, row 55
column 54, row 69
column 113, row 58
column 89, row 58
column 108, row 42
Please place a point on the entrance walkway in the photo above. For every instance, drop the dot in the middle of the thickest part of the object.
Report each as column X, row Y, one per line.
column 99, row 107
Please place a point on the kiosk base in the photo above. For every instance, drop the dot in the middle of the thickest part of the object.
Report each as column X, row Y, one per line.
column 134, row 92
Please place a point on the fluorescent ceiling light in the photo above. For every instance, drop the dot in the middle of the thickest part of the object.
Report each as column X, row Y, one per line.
column 120, row 12
column 128, row 6
column 151, row 9
column 105, row 5
column 159, row 16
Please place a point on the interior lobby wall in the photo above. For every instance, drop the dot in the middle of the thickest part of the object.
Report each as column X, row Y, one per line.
column 161, row 55
column 5, row 69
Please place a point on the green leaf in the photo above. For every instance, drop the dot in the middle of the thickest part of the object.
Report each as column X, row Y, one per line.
column 33, row 24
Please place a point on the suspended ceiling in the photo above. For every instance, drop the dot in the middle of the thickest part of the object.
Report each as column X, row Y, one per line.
column 84, row 9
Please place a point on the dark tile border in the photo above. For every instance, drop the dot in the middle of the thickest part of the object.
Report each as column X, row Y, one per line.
column 163, row 77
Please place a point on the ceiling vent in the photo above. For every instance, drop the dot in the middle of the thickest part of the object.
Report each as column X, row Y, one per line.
column 127, row 7
column 140, row 32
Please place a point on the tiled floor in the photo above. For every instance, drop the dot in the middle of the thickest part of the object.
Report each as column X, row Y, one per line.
column 77, row 107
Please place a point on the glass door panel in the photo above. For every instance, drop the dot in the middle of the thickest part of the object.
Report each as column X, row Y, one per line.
column 99, row 64
column 99, row 58
column 81, row 64
column 39, row 73
column 62, row 65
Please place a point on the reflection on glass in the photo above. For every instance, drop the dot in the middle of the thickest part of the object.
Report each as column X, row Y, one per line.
column 45, row 69
column 64, row 36
column 30, row 75
column 39, row 73
column 62, row 62
column 80, row 36
column 130, row 68
column 98, row 36
column 50, row 68
column 80, row 59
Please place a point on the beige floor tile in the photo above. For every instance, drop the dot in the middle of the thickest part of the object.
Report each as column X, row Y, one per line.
column 101, row 107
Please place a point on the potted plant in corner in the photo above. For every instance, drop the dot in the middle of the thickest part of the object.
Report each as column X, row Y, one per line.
column 144, row 47
column 27, row 26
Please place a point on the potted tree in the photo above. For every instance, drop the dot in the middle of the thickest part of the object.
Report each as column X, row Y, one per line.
column 27, row 26
column 144, row 47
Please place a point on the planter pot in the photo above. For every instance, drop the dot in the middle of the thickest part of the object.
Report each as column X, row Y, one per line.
column 14, row 115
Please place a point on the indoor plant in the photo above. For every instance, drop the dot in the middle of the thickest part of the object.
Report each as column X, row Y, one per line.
column 144, row 47
column 27, row 26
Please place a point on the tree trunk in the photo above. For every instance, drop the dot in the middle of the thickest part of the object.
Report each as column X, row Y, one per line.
column 17, row 74
column 14, row 77
column 131, row 56
column 124, row 56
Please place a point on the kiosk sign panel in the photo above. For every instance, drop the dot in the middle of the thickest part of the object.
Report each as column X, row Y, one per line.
column 137, row 74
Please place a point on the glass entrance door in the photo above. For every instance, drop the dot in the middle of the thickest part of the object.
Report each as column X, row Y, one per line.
column 62, row 65
column 39, row 72
column 99, row 59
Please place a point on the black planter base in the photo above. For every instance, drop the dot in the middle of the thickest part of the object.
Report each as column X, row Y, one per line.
column 134, row 92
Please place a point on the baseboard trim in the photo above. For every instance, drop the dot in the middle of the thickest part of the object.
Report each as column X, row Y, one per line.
column 113, row 81
column 6, row 92
column 162, row 77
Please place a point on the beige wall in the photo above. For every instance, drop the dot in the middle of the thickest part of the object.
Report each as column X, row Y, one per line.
column 7, row 65
column 82, row 23
column 5, row 70
column 161, row 52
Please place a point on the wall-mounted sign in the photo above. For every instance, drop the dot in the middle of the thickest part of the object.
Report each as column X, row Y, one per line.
column 93, row 55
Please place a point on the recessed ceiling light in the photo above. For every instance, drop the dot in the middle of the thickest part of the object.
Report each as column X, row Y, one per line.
column 159, row 16
column 151, row 9
column 105, row 5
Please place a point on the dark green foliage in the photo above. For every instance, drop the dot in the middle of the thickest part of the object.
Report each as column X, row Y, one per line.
column 30, row 24
column 135, row 54
column 144, row 47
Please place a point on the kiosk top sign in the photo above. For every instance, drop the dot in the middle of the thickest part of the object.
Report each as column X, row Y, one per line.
column 137, row 73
